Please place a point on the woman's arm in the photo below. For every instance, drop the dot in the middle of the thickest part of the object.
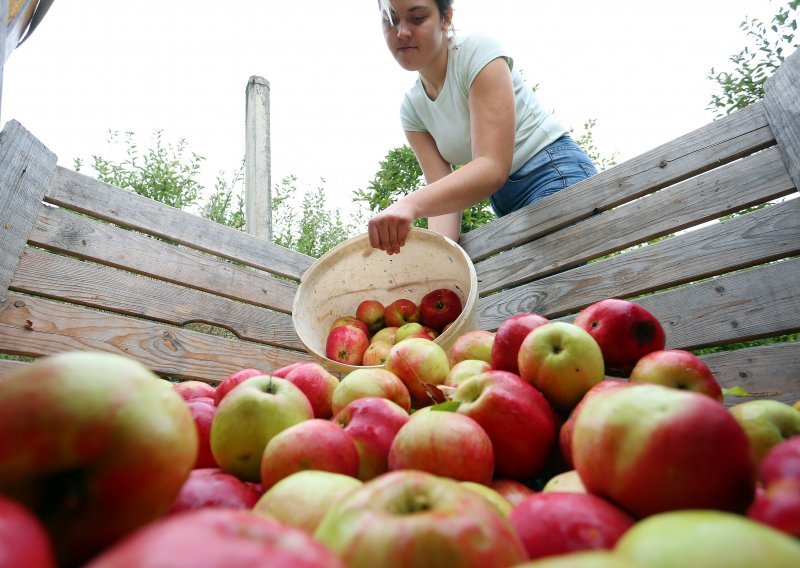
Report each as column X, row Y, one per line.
column 491, row 104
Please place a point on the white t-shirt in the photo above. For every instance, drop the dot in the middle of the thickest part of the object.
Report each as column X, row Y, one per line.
column 447, row 118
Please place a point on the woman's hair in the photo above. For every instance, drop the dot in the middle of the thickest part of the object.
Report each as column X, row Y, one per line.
column 442, row 5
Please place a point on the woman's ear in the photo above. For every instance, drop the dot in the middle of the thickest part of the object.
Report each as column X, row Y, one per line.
column 447, row 21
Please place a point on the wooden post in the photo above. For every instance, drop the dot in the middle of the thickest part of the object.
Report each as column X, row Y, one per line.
column 257, row 158
column 3, row 34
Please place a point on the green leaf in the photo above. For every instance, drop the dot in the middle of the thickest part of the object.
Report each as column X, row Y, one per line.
column 449, row 406
column 735, row 391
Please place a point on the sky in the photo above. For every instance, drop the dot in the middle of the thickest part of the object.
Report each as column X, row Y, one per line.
column 638, row 67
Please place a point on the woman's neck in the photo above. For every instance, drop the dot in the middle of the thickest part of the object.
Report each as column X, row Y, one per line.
column 434, row 74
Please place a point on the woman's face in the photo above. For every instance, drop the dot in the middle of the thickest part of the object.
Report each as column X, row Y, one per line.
column 416, row 34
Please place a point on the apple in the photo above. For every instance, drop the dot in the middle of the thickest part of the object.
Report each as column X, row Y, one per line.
column 421, row 365
column 565, row 482
column 465, row 369
column 346, row 344
column 376, row 353
column 642, row 447
column 85, row 434
column 371, row 313
column 767, row 423
column 778, row 503
column 285, row 370
column 303, row 498
column 412, row 518
column 370, row 382
column 432, row 333
column 211, row 487
column 407, row 330
column 517, row 418
column 555, row 523
column 711, row 539
column 514, row 491
column 502, row 504
column 386, row 334
column 194, row 389
column 439, row 307
column 584, row 559
column 203, row 410
column 217, row 537
column 400, row 312
column 372, row 423
column 562, row 361
column 677, row 369
column 249, row 417
column 445, row 444
column 349, row 321
column 24, row 541
column 317, row 384
column 311, row 444
column 475, row 344
column 509, row 337
column 625, row 332
column 232, row 381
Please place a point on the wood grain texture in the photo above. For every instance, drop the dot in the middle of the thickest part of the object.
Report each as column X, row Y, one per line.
column 782, row 101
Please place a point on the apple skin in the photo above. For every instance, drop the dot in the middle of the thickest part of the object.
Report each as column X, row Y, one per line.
column 346, row 344
column 445, row 444
column 203, row 410
column 400, row 312
column 412, row 518
column 386, row 334
column 422, row 365
column 371, row 313
column 349, row 321
column 475, row 344
column 440, row 307
column 211, row 487
column 778, row 503
column 642, row 447
column 249, row 417
column 407, row 330
column 312, row 444
column 372, row 423
column 677, row 369
column 514, row 491
column 500, row 503
column 303, row 498
column 317, row 384
column 517, row 418
column 217, row 537
column 711, row 539
column 232, row 381
column 562, row 361
column 767, row 423
column 509, row 337
column 465, row 369
column 85, row 433
column 625, row 332
column 283, row 371
column 555, row 523
column 370, row 382
column 565, row 482
column 194, row 389
column 584, row 559
column 24, row 542
column 376, row 353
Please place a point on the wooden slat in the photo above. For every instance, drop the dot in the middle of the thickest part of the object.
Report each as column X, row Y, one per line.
column 722, row 191
column 758, row 237
column 782, row 101
column 26, row 167
column 98, row 199
column 737, row 135
column 55, row 276
column 63, row 231
column 35, row 327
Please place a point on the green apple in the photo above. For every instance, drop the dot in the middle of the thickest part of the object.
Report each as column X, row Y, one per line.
column 384, row 334
column 565, row 482
column 406, row 330
column 590, row 559
column 475, row 344
column 707, row 539
column 465, row 369
column 249, row 417
column 766, row 423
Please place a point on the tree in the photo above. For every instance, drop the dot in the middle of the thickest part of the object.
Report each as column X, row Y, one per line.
column 753, row 65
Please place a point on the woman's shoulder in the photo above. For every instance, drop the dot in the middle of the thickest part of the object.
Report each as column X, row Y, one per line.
column 476, row 42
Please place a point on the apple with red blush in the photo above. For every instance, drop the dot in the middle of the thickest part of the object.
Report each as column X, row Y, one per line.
column 371, row 313
column 678, row 369
column 370, row 381
column 440, row 307
column 509, row 337
column 514, row 491
column 778, row 503
column 24, row 541
column 211, row 487
column 203, row 410
column 465, row 369
column 422, row 366
column 194, row 389
column 233, row 380
column 346, row 344
column 400, row 312
column 317, row 384
column 376, row 353
column 345, row 321
column 475, row 344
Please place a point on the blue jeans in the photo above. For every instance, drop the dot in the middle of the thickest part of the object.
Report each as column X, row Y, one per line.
column 559, row 165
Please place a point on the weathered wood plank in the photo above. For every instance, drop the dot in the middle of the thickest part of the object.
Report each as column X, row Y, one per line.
column 64, row 231
column 768, row 234
column 722, row 191
column 737, row 135
column 26, row 168
column 782, row 101
column 67, row 279
column 34, row 327
column 98, row 199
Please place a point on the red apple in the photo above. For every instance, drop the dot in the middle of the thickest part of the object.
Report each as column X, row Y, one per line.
column 652, row 449
column 625, row 332
column 376, row 353
column 677, row 369
column 285, row 370
column 509, row 337
column 511, row 489
column 440, row 307
column 202, row 411
column 432, row 333
column 372, row 423
column 778, row 504
column 313, row 444
column 475, row 344
column 346, row 344
column 446, row 444
column 370, row 382
column 400, row 312
column 194, row 389
column 235, row 379
column 371, row 313
column 217, row 537
column 318, row 386
column 517, row 418
column 349, row 321
column 211, row 487
column 23, row 539
column 422, row 365
column 465, row 369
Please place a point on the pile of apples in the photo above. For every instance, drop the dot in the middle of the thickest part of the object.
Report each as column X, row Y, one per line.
column 543, row 444
column 366, row 337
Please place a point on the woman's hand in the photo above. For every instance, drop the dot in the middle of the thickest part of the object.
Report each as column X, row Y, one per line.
column 389, row 229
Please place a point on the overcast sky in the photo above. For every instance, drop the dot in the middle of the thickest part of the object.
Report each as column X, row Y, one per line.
column 637, row 66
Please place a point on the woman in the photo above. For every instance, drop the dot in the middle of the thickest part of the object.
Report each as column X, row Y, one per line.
column 468, row 107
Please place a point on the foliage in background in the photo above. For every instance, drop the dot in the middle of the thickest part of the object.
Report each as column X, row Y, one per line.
column 767, row 48
column 226, row 205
